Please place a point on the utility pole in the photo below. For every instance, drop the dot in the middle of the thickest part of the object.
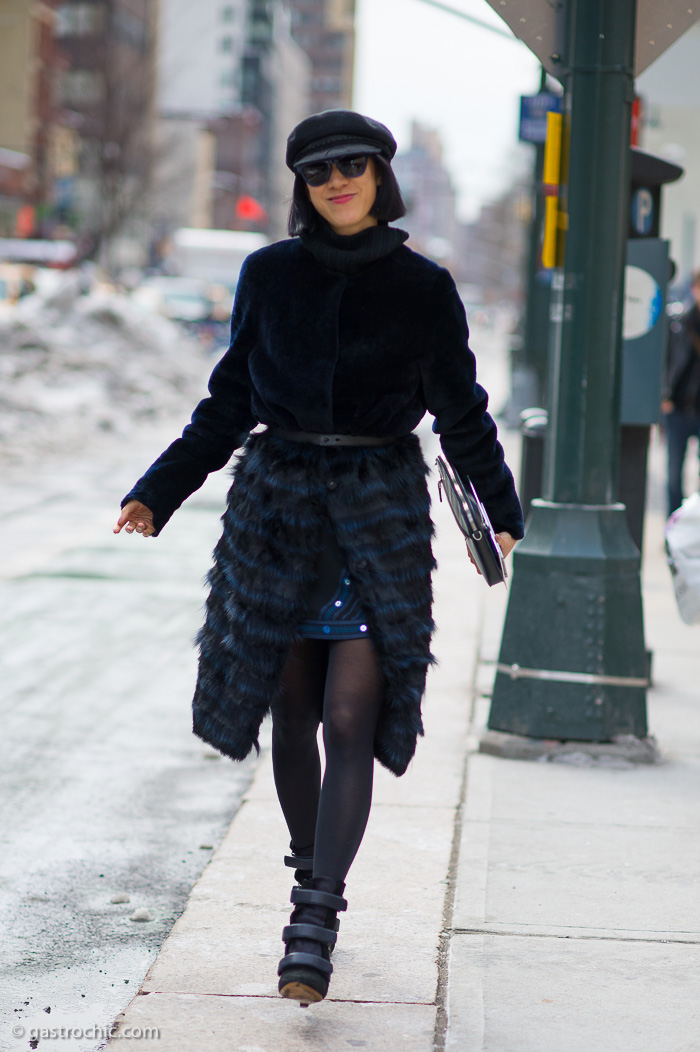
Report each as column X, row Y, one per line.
column 572, row 662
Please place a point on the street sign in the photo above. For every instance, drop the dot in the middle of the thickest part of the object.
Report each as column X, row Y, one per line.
column 533, row 115
column 539, row 24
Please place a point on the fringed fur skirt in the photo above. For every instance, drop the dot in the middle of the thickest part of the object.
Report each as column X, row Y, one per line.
column 283, row 497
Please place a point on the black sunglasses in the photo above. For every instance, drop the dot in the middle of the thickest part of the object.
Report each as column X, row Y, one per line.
column 316, row 173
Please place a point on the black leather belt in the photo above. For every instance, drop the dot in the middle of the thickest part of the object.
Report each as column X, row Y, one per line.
column 332, row 440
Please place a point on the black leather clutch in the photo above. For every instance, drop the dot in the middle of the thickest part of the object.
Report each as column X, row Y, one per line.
column 472, row 519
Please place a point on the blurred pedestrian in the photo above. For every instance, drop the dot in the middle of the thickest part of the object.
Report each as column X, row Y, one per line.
column 320, row 603
column 681, row 404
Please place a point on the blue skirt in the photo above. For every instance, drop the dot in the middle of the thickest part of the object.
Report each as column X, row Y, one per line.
column 334, row 610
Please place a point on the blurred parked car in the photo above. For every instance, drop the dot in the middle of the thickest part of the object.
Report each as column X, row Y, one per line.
column 181, row 299
column 16, row 280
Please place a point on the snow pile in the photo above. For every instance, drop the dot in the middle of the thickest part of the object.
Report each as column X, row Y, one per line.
column 75, row 366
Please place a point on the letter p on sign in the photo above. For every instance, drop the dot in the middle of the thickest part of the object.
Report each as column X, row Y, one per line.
column 643, row 211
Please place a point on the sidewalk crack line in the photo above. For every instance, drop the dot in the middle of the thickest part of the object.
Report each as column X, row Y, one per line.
column 581, row 938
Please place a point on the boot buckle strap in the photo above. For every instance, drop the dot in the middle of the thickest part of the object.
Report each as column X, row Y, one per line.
column 291, row 960
column 299, row 861
column 309, row 931
column 312, row 897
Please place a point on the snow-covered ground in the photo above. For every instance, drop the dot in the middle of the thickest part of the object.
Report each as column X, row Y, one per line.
column 109, row 806
column 76, row 367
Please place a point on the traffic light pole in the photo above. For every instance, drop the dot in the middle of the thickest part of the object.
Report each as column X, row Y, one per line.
column 572, row 662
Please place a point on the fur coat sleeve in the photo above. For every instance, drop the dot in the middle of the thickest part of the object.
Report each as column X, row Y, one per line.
column 220, row 424
column 458, row 403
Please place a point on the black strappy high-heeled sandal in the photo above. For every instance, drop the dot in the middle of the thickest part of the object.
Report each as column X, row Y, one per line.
column 305, row 970
column 303, row 866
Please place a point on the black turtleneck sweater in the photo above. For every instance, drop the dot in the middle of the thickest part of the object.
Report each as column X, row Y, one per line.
column 349, row 335
column 348, row 254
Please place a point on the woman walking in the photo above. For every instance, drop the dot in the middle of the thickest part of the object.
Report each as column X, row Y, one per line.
column 320, row 602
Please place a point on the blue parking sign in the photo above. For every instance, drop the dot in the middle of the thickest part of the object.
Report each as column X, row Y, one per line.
column 643, row 211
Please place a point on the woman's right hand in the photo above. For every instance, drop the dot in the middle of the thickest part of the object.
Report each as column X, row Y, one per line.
column 135, row 516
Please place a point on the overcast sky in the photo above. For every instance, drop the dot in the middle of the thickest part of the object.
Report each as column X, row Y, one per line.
column 415, row 61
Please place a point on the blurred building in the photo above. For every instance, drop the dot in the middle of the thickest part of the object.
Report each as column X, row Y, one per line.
column 30, row 128
column 15, row 186
column 291, row 91
column 239, row 180
column 107, row 86
column 99, row 96
column 325, row 29
column 200, row 56
column 182, row 190
column 429, row 196
column 491, row 251
column 488, row 254
column 670, row 90
column 276, row 81
column 243, row 87
column 200, row 59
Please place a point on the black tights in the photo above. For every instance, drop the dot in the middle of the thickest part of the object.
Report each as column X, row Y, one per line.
column 341, row 684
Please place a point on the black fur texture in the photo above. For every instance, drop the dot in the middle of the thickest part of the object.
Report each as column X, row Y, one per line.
column 263, row 568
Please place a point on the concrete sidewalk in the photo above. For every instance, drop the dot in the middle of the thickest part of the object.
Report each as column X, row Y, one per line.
column 576, row 921
column 494, row 905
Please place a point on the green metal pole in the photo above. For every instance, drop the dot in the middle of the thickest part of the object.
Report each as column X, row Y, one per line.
column 572, row 662
column 582, row 461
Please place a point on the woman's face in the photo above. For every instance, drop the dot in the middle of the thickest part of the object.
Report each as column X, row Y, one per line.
column 345, row 202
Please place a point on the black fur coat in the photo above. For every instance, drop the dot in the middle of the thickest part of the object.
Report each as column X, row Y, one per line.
column 360, row 350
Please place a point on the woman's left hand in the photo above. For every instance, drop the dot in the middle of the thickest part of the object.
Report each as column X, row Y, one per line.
column 506, row 542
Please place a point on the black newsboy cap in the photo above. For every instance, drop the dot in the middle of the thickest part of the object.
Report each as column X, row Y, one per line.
column 334, row 133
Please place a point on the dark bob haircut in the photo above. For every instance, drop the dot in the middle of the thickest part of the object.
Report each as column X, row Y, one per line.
column 304, row 219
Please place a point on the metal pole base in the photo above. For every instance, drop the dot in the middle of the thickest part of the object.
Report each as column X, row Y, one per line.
column 573, row 664
column 625, row 750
